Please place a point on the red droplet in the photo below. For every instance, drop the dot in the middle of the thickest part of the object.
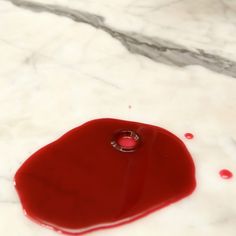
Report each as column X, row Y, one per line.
column 189, row 136
column 83, row 182
column 226, row 174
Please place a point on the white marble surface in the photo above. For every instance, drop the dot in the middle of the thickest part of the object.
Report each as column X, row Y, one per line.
column 57, row 73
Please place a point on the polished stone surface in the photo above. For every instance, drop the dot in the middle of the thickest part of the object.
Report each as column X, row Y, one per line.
column 167, row 63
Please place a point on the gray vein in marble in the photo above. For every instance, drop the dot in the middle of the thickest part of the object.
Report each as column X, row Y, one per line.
column 5, row 178
column 103, row 81
column 165, row 5
column 31, row 59
column 9, row 202
column 156, row 49
column 224, row 219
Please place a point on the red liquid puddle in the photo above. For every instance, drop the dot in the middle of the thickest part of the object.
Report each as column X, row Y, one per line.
column 226, row 174
column 189, row 136
column 81, row 182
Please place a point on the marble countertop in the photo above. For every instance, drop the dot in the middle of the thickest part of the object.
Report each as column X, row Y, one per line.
column 170, row 63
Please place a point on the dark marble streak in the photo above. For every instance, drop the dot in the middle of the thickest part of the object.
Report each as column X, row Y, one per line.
column 156, row 49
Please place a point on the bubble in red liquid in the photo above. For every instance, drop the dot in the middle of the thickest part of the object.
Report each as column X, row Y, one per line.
column 189, row 136
column 127, row 142
column 103, row 174
column 226, row 174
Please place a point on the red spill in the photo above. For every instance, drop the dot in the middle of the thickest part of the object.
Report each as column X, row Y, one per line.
column 81, row 183
column 226, row 174
column 189, row 136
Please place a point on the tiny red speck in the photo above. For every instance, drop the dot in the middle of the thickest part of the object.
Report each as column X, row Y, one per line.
column 226, row 174
column 189, row 136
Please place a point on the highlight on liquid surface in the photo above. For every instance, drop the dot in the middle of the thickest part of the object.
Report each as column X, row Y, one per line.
column 83, row 182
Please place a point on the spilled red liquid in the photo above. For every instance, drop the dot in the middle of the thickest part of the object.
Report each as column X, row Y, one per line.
column 226, row 174
column 81, row 182
column 189, row 136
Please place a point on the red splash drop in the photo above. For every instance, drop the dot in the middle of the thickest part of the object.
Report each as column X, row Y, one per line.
column 189, row 136
column 226, row 174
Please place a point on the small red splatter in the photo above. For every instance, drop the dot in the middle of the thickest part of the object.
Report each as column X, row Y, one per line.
column 189, row 136
column 226, row 174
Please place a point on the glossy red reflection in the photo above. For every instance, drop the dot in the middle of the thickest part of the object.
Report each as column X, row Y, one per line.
column 81, row 183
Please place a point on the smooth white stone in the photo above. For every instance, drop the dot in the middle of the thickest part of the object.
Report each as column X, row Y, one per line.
column 56, row 74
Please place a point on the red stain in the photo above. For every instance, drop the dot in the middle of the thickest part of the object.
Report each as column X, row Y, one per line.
column 226, row 174
column 82, row 182
column 189, row 136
